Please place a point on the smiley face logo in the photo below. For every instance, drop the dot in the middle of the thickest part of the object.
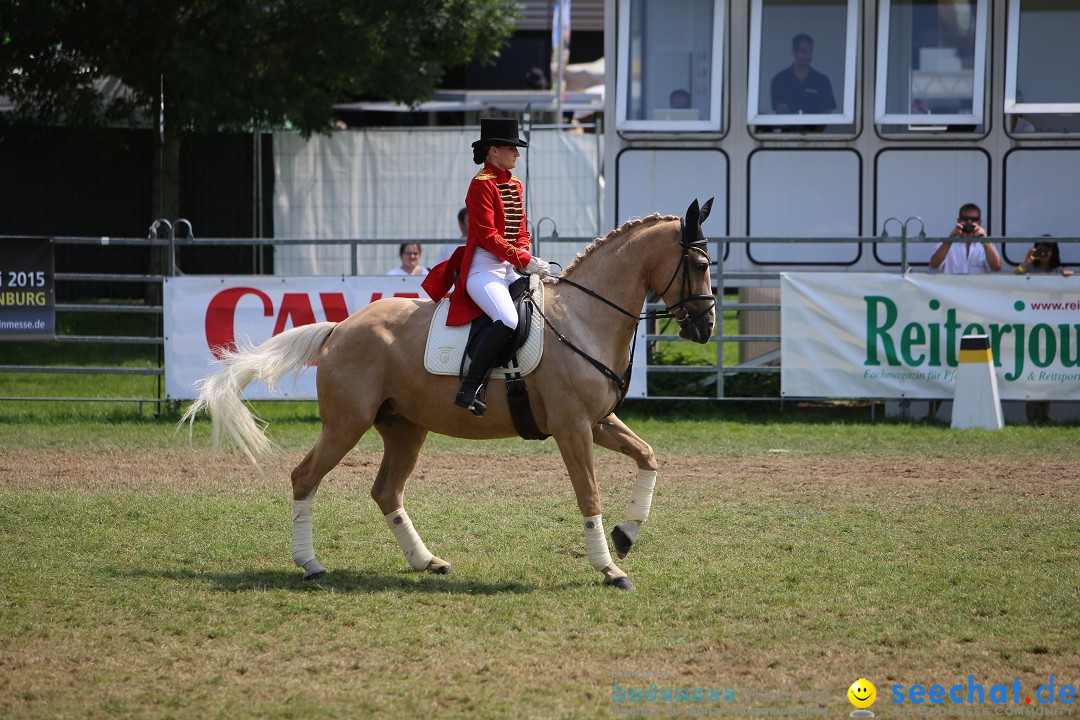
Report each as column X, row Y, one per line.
column 862, row 693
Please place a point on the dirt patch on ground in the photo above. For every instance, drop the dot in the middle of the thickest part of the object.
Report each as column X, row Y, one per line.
column 194, row 471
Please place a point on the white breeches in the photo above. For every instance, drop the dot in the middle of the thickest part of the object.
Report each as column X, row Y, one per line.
column 490, row 289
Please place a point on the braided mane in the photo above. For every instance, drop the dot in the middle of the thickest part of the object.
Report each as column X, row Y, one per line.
column 617, row 232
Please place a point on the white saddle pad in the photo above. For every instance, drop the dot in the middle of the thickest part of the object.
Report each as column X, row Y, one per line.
column 446, row 345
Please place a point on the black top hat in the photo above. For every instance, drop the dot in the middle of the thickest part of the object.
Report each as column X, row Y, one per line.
column 499, row 131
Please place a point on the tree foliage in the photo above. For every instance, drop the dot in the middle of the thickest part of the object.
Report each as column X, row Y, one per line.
column 236, row 64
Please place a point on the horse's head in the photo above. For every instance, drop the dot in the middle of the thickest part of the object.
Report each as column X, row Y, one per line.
column 688, row 293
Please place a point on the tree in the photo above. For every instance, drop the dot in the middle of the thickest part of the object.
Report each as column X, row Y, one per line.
column 234, row 64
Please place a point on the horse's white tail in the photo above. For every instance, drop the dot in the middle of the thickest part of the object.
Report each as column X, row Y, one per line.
column 220, row 393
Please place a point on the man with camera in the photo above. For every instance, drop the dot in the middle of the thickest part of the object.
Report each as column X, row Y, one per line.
column 976, row 255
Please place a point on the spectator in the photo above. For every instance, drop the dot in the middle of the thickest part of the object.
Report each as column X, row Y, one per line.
column 976, row 255
column 410, row 261
column 1043, row 259
column 536, row 79
column 447, row 249
column 679, row 99
column 800, row 89
column 1019, row 123
column 971, row 258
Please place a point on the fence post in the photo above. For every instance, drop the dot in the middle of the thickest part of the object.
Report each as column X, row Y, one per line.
column 922, row 236
column 154, row 234
column 719, row 320
column 536, row 233
column 172, row 242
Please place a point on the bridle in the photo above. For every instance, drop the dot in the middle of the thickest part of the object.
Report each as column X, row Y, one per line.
column 677, row 311
column 673, row 311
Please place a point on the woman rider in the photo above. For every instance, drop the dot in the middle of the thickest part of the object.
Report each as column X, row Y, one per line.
column 497, row 243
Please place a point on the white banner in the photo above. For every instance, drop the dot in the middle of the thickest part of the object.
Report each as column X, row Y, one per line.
column 405, row 184
column 206, row 312
column 876, row 335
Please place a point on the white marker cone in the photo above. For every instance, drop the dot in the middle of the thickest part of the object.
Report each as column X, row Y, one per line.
column 977, row 403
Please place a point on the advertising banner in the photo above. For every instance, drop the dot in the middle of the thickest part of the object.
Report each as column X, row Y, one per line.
column 209, row 312
column 27, row 289
column 876, row 335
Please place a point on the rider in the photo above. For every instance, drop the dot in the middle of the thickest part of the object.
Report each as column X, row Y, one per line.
column 497, row 243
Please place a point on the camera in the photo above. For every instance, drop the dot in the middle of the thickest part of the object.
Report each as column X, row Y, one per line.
column 1040, row 254
column 967, row 228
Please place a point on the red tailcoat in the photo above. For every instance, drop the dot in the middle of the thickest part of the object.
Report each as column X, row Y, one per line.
column 497, row 224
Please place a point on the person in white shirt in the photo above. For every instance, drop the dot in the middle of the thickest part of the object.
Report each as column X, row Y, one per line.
column 972, row 257
column 1020, row 124
column 410, row 261
column 976, row 254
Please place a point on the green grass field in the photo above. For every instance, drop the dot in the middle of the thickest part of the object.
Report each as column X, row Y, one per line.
column 143, row 578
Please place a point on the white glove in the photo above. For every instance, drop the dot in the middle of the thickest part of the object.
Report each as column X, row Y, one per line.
column 539, row 267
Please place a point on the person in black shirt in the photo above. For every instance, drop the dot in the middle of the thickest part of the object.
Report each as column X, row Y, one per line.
column 800, row 89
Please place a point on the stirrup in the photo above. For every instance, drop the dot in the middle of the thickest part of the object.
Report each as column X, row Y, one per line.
column 473, row 404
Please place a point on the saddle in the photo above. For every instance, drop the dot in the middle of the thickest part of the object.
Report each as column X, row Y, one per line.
column 445, row 352
column 521, row 294
column 449, row 350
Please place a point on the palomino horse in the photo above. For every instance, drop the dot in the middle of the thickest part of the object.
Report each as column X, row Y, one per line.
column 370, row 372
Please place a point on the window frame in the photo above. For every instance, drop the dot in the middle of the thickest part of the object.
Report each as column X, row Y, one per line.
column 920, row 121
column 714, row 124
column 851, row 61
column 1012, row 61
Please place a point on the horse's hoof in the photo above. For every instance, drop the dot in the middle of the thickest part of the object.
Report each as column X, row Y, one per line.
column 622, row 583
column 439, row 567
column 313, row 569
column 621, row 541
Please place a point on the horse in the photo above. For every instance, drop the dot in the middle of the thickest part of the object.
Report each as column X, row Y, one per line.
column 370, row 373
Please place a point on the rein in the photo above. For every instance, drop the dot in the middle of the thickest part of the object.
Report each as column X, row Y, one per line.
column 622, row 384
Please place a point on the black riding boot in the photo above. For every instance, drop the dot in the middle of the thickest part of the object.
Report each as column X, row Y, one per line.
column 489, row 346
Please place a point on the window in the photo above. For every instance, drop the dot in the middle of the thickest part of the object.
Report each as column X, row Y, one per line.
column 947, row 178
column 665, row 180
column 804, row 193
column 669, row 65
column 931, row 66
column 802, row 64
column 1042, row 67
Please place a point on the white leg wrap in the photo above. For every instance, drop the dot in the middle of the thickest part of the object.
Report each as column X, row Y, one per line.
column 416, row 552
column 303, row 544
column 596, row 544
column 641, row 496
